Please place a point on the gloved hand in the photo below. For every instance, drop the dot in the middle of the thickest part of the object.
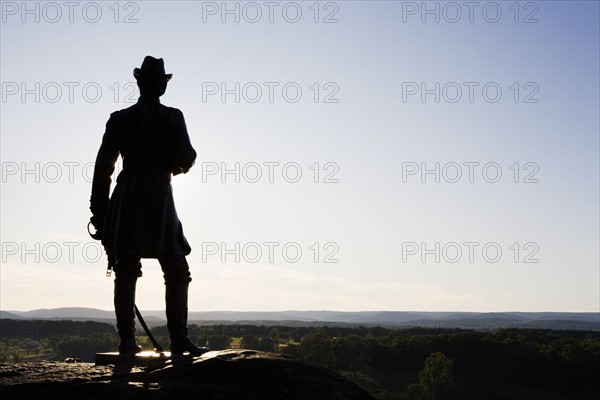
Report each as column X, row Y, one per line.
column 98, row 224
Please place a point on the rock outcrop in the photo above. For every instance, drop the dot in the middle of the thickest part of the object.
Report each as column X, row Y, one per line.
column 227, row 374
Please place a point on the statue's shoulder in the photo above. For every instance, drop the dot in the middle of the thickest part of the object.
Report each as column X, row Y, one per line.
column 175, row 114
column 172, row 110
column 123, row 112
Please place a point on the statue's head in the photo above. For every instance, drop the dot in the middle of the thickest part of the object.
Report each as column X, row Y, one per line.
column 151, row 77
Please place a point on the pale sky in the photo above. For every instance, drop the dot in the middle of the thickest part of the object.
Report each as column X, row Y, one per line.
column 352, row 155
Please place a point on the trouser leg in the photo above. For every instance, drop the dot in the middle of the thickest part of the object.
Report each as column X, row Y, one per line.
column 126, row 274
column 177, row 278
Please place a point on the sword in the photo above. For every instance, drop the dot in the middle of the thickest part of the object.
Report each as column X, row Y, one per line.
column 157, row 345
column 98, row 236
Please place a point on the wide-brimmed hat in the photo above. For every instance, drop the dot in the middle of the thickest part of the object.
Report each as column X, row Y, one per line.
column 152, row 68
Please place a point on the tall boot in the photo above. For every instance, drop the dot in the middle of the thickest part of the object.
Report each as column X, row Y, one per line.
column 176, row 299
column 125, row 312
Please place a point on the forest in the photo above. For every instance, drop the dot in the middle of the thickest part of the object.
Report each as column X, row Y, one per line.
column 392, row 364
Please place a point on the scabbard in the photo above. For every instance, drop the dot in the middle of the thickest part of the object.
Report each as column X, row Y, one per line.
column 157, row 346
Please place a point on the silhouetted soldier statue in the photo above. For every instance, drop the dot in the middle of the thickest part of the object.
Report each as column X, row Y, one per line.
column 140, row 220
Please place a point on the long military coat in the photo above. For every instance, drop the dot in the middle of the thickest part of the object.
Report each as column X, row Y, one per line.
column 140, row 218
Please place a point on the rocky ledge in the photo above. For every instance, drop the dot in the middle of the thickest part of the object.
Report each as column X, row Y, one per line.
column 226, row 374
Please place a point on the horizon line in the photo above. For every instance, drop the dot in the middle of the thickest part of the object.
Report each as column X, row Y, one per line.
column 310, row 310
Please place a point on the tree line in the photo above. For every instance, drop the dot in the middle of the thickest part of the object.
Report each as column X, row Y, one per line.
column 418, row 363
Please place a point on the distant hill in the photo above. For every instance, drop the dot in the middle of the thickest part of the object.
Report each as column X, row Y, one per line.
column 8, row 315
column 66, row 312
column 397, row 319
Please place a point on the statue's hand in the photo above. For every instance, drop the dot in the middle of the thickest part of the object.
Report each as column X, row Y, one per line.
column 97, row 223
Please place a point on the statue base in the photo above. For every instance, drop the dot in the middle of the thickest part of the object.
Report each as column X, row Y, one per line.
column 143, row 358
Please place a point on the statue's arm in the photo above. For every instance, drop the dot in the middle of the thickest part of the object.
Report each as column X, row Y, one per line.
column 103, row 170
column 185, row 155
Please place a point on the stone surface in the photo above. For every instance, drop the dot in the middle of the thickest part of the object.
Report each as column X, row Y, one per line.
column 226, row 374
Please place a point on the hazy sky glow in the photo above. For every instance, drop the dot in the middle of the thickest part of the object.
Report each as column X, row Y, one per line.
column 352, row 155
